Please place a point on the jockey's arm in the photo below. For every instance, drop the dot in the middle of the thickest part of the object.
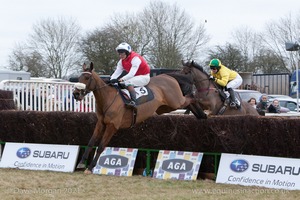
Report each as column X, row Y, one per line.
column 118, row 71
column 224, row 79
column 135, row 64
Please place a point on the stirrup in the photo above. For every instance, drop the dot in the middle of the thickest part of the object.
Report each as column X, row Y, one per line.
column 131, row 104
column 232, row 105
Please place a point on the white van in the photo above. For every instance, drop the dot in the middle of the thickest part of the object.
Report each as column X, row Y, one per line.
column 6, row 74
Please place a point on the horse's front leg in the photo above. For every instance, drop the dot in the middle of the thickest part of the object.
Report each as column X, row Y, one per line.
column 194, row 105
column 95, row 137
column 110, row 130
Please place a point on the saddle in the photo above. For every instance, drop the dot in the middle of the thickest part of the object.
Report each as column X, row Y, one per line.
column 143, row 94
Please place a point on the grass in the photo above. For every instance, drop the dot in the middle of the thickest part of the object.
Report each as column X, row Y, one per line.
column 31, row 185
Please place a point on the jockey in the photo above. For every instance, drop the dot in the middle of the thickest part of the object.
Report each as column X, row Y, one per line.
column 138, row 71
column 227, row 78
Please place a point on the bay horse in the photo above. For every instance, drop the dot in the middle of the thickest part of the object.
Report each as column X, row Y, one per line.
column 210, row 95
column 113, row 115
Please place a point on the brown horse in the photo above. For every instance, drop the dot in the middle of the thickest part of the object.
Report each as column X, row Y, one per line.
column 211, row 96
column 112, row 114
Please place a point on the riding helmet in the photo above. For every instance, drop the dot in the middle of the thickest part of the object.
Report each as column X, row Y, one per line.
column 215, row 63
column 124, row 47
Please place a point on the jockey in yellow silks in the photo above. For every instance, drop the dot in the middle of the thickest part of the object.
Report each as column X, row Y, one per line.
column 227, row 78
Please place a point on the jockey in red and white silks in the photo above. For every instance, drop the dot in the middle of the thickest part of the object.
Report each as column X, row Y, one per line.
column 136, row 66
column 138, row 71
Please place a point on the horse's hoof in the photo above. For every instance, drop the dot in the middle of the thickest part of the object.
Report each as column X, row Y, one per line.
column 87, row 171
column 80, row 166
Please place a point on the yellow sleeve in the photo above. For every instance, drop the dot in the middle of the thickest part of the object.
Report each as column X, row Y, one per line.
column 223, row 77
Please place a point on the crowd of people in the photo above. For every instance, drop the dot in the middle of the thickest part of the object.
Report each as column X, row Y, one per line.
column 264, row 106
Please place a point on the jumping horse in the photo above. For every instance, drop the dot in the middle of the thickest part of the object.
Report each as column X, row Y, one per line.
column 211, row 96
column 113, row 115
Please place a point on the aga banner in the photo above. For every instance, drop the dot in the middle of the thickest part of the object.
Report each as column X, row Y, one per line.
column 180, row 165
column 116, row 161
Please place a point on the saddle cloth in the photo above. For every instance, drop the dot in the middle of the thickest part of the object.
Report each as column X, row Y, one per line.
column 140, row 91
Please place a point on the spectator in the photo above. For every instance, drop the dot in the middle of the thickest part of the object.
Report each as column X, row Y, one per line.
column 274, row 107
column 262, row 105
column 252, row 102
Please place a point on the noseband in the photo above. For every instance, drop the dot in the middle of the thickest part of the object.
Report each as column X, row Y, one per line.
column 207, row 89
column 86, row 90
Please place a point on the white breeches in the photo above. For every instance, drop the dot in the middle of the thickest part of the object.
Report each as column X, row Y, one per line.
column 235, row 83
column 138, row 81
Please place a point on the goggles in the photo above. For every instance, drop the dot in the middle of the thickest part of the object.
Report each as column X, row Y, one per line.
column 121, row 51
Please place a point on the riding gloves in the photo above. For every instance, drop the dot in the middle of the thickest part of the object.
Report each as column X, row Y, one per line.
column 114, row 81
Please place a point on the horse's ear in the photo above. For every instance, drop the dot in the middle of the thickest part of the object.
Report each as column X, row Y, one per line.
column 182, row 62
column 91, row 66
column 185, row 63
column 84, row 67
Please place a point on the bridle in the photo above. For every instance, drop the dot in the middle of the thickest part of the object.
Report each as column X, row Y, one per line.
column 86, row 90
column 216, row 88
column 207, row 89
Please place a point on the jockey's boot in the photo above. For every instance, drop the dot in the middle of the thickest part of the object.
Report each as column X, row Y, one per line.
column 132, row 95
column 238, row 103
column 232, row 98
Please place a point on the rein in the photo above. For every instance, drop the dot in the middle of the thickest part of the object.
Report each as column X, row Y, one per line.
column 214, row 86
column 98, row 88
column 90, row 81
column 203, row 89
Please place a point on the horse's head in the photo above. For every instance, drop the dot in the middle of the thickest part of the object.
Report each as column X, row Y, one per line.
column 188, row 67
column 86, row 82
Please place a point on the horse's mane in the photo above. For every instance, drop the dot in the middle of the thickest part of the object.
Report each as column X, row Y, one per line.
column 199, row 67
column 185, row 82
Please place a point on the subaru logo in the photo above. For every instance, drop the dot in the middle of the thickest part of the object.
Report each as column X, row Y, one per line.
column 23, row 152
column 239, row 165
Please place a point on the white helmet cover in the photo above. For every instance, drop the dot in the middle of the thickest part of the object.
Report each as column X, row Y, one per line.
column 124, row 46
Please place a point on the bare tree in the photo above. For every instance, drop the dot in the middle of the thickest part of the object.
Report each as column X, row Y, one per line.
column 163, row 34
column 99, row 45
column 23, row 59
column 229, row 55
column 173, row 35
column 54, row 44
column 129, row 28
column 249, row 43
column 266, row 61
column 279, row 32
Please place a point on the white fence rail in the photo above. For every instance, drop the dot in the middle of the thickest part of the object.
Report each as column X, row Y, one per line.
column 47, row 96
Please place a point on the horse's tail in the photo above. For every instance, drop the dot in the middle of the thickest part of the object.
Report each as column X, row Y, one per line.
column 185, row 82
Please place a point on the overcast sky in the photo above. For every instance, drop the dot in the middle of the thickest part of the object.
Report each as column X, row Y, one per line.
column 223, row 16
